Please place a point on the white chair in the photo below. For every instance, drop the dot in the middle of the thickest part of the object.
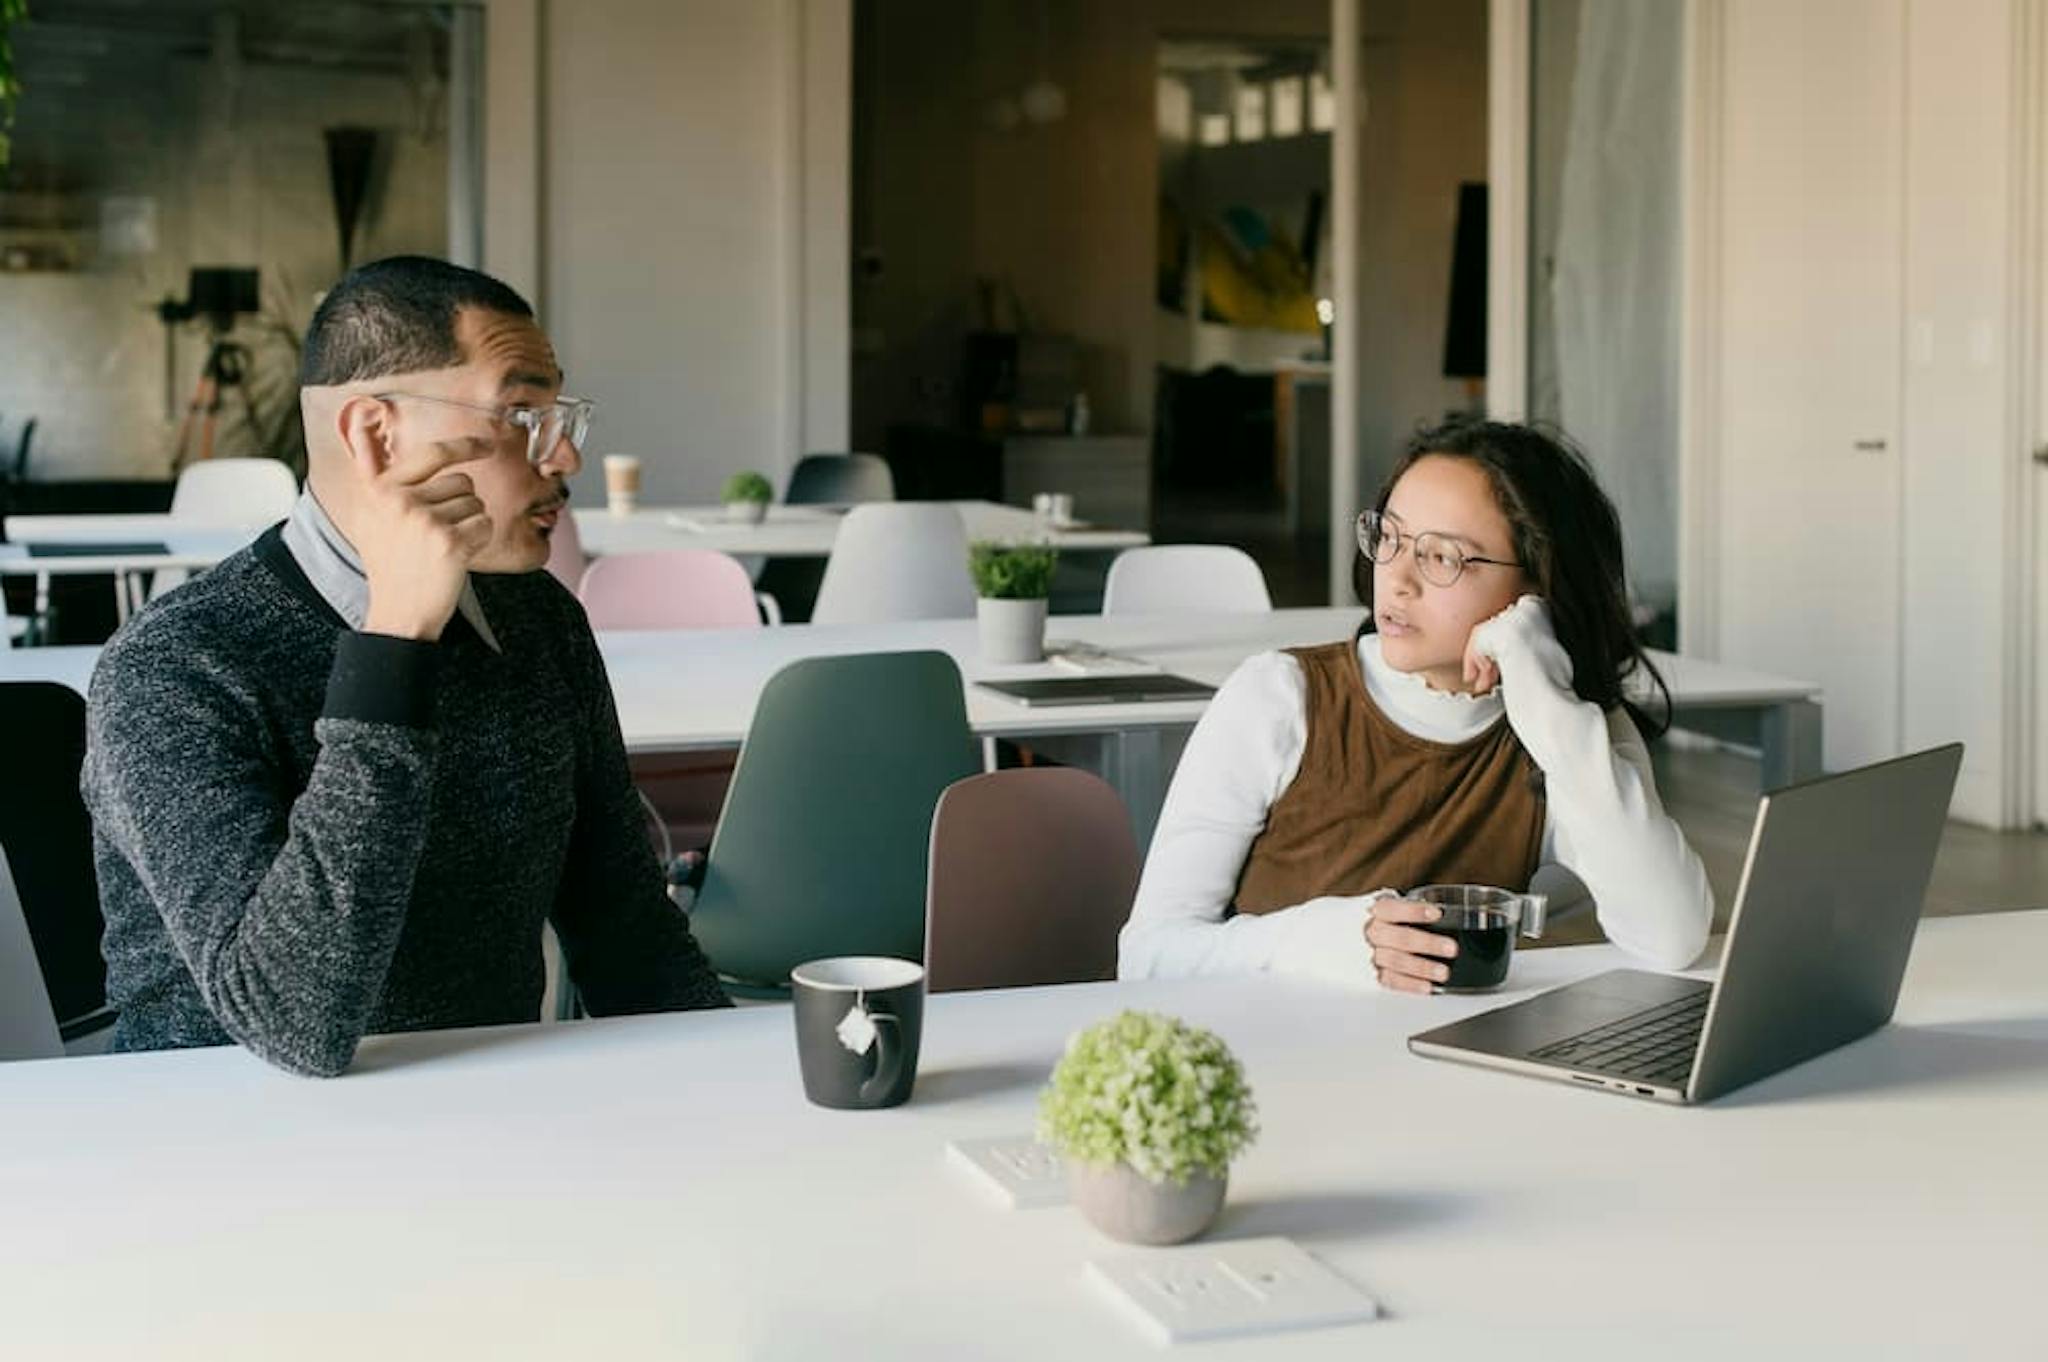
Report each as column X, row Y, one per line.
column 28, row 1028
column 897, row 560
column 238, row 493
column 1176, row 578
column 250, row 494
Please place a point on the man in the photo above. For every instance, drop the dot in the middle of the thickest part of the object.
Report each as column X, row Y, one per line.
column 339, row 782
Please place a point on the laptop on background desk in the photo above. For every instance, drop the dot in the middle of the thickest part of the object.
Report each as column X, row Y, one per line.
column 104, row 550
column 1100, row 690
column 1831, row 893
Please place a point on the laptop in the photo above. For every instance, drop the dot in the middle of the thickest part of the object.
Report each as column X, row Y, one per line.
column 1100, row 690
column 1831, row 892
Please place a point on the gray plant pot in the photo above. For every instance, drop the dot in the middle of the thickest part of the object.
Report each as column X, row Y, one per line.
column 1123, row 1205
column 746, row 512
column 1012, row 632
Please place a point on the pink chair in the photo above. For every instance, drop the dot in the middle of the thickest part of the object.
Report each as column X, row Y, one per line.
column 566, row 558
column 670, row 589
column 676, row 589
column 1032, row 875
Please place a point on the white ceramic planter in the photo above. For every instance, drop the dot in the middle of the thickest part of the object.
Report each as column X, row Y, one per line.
column 1011, row 631
column 746, row 512
column 1123, row 1205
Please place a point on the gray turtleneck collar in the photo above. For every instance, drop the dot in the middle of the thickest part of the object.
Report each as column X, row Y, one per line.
column 330, row 563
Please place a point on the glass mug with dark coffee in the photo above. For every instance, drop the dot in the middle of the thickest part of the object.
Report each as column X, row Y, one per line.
column 1484, row 921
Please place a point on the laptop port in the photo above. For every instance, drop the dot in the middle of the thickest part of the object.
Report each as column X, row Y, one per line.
column 1646, row 1092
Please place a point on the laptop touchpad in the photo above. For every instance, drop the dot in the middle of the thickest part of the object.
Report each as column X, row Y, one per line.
column 1558, row 1015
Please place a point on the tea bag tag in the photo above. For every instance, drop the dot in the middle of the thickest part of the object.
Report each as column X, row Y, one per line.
column 856, row 1030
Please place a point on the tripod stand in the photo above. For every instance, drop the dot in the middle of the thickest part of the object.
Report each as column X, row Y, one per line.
column 226, row 366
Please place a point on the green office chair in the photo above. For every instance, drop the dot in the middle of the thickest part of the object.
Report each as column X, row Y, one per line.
column 822, row 847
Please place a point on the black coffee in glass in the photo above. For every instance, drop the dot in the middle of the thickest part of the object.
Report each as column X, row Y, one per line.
column 1486, row 941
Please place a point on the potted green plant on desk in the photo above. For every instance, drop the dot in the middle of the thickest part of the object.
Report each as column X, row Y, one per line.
column 1148, row 1112
column 1012, row 582
column 746, row 497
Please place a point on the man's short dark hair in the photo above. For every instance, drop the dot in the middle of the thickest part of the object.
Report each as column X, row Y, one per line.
column 396, row 316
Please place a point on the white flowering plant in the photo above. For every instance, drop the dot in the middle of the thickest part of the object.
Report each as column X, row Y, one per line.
column 1167, row 1098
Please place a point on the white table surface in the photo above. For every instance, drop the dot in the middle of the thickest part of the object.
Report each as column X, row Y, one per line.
column 789, row 531
column 683, row 689
column 188, row 543
column 808, row 531
column 656, row 1187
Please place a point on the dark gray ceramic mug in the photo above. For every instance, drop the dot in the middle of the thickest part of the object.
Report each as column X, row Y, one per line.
column 858, row 1020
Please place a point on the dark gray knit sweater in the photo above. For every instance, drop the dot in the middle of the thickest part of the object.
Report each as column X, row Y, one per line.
column 305, row 835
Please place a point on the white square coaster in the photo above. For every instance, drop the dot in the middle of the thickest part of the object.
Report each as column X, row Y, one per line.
column 1016, row 1170
column 1228, row 1289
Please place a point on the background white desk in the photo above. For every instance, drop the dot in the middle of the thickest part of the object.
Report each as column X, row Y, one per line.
column 689, row 690
column 685, row 689
column 656, row 1187
column 789, row 531
column 808, row 531
column 186, row 545
column 193, row 543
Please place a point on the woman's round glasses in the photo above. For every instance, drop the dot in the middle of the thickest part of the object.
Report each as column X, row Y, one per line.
column 1437, row 556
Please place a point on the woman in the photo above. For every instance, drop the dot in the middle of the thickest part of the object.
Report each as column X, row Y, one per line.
column 1474, row 731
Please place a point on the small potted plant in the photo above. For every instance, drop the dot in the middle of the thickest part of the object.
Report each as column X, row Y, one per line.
column 1012, row 582
column 1148, row 1112
column 746, row 497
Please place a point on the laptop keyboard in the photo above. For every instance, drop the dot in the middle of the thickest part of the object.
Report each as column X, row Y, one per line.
column 1658, row 1044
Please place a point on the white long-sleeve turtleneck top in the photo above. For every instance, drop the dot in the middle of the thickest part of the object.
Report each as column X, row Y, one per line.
column 1603, row 821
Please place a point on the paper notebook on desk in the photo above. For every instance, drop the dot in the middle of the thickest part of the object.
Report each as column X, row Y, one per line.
column 1088, row 659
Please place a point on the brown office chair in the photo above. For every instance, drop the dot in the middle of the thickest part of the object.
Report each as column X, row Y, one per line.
column 1032, row 875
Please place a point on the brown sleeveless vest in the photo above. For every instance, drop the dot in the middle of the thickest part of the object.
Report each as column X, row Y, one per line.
column 1375, row 807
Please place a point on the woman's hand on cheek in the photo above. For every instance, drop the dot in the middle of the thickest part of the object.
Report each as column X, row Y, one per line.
column 1482, row 647
column 1482, row 673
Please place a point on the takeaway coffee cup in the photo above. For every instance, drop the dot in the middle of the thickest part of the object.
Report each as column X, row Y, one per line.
column 858, row 1020
column 621, row 483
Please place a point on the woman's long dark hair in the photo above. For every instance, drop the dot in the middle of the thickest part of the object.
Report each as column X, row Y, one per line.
column 1568, row 536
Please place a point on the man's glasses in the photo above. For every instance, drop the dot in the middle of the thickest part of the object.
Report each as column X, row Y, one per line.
column 546, row 427
column 1437, row 557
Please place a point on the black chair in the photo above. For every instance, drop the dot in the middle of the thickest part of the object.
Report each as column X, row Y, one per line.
column 821, row 480
column 47, row 836
column 14, row 474
column 839, row 479
column 18, row 471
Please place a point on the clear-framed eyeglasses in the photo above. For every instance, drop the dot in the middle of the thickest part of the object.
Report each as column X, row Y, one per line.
column 1437, row 557
column 546, row 427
